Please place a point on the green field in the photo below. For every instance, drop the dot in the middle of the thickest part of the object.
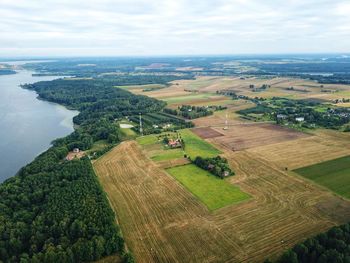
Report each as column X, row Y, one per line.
column 213, row 192
column 168, row 155
column 195, row 146
column 144, row 87
column 147, row 140
column 333, row 174
column 188, row 98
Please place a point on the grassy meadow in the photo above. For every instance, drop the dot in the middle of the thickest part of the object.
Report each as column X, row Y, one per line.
column 195, row 146
column 333, row 174
column 147, row 140
column 166, row 155
column 213, row 192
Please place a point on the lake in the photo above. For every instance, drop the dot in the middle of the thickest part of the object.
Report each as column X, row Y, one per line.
column 27, row 125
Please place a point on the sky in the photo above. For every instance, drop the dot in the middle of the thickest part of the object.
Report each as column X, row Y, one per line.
column 172, row 27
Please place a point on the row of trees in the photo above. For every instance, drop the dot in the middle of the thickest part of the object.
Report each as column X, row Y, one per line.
column 193, row 112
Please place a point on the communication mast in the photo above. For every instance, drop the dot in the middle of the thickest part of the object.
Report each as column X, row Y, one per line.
column 141, row 130
column 226, row 122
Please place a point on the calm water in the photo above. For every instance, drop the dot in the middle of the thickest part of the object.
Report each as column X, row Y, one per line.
column 27, row 125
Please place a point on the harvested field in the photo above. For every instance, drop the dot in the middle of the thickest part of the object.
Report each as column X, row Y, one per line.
column 277, row 88
column 295, row 154
column 219, row 117
column 163, row 222
column 172, row 163
column 206, row 132
column 245, row 136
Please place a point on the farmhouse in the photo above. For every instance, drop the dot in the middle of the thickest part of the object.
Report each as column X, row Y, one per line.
column 299, row 119
column 281, row 116
column 174, row 143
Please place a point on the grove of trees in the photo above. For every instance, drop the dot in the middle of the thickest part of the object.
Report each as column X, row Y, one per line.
column 330, row 247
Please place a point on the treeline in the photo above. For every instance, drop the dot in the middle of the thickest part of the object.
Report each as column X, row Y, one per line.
column 55, row 210
column 7, row 72
column 193, row 112
column 218, row 166
column 143, row 79
column 330, row 247
column 159, row 122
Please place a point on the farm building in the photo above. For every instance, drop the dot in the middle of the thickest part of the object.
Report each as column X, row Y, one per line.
column 76, row 150
column 174, row 143
column 281, row 116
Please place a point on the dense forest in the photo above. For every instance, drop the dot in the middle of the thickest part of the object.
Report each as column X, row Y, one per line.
column 99, row 103
column 330, row 247
column 55, row 210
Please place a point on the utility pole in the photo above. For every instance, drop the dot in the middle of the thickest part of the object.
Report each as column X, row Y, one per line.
column 141, row 130
column 226, row 122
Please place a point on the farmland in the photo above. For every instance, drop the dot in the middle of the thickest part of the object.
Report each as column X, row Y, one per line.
column 195, row 146
column 212, row 191
column 251, row 135
column 332, row 174
column 172, row 211
column 162, row 221
column 205, row 87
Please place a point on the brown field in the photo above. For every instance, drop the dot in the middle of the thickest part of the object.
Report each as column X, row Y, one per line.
column 303, row 89
column 206, row 132
column 250, row 135
column 219, row 117
column 325, row 145
column 172, row 163
column 163, row 222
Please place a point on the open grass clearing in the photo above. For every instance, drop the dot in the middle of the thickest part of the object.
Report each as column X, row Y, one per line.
column 195, row 146
column 214, row 192
column 98, row 146
column 190, row 97
column 142, row 87
column 333, row 174
column 170, row 154
column 147, row 140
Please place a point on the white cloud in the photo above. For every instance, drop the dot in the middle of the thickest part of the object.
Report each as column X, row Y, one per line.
column 161, row 27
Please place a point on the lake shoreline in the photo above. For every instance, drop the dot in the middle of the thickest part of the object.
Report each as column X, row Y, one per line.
column 29, row 124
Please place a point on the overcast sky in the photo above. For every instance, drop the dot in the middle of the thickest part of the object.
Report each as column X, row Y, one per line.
column 172, row 27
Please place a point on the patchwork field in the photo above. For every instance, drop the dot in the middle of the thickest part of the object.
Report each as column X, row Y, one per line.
column 250, row 135
column 323, row 146
column 278, row 87
column 333, row 174
column 164, row 222
column 172, row 211
column 206, row 132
